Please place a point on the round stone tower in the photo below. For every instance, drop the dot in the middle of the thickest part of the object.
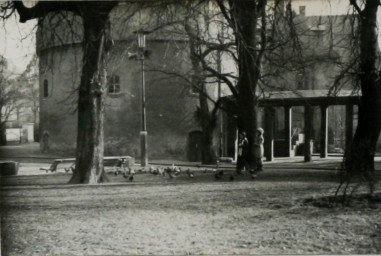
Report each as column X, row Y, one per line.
column 169, row 102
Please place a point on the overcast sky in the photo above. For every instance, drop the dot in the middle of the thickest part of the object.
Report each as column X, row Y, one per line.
column 17, row 42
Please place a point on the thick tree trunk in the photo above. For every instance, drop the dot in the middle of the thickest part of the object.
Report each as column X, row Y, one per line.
column 90, row 145
column 360, row 155
column 95, row 17
column 3, row 137
column 245, row 13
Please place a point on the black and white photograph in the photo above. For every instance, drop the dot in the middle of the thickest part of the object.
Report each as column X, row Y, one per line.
column 190, row 127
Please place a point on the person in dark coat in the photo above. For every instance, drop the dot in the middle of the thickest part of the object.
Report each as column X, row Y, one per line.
column 242, row 152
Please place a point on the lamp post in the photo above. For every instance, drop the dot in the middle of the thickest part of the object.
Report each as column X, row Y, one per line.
column 143, row 133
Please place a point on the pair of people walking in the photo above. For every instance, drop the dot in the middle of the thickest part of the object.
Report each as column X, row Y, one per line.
column 243, row 144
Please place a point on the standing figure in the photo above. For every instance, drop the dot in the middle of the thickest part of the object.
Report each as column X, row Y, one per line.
column 258, row 149
column 45, row 141
column 242, row 152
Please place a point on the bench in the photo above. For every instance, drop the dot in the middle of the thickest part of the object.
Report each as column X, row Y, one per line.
column 8, row 168
column 115, row 161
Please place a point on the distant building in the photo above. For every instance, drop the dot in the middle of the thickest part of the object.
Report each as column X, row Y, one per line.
column 21, row 109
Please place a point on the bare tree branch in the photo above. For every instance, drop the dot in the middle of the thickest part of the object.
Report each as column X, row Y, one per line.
column 44, row 7
column 356, row 6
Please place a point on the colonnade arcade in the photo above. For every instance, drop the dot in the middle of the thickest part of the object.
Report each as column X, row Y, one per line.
column 309, row 104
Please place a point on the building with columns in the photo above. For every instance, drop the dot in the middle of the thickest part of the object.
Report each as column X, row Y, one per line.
column 315, row 102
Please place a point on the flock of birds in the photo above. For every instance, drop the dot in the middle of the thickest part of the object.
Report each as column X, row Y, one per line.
column 169, row 171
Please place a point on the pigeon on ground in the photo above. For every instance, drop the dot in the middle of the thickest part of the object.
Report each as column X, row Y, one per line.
column 151, row 169
column 167, row 170
column 219, row 175
column 176, row 170
column 190, row 174
column 160, row 171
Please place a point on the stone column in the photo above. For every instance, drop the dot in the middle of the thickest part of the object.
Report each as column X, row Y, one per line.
column 308, row 128
column 323, row 131
column 269, row 133
column 288, row 129
column 348, row 125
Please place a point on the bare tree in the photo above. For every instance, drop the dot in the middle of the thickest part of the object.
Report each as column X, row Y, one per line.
column 9, row 99
column 359, row 158
column 202, row 45
column 95, row 22
column 275, row 50
column 194, row 20
column 27, row 85
column 248, row 21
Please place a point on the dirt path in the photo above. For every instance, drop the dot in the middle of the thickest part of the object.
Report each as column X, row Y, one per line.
column 245, row 217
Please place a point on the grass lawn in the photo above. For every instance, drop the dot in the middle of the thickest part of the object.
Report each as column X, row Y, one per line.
column 158, row 215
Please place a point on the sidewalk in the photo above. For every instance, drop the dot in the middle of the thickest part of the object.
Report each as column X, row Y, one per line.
column 30, row 152
column 26, row 151
column 31, row 160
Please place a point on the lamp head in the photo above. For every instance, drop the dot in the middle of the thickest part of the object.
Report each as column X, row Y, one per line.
column 141, row 38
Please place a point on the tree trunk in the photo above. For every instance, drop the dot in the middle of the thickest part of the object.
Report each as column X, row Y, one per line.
column 3, row 137
column 360, row 155
column 90, row 145
column 208, row 152
column 95, row 17
column 245, row 13
column 208, row 124
column 204, row 116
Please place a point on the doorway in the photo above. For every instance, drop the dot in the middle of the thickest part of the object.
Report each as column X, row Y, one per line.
column 194, row 146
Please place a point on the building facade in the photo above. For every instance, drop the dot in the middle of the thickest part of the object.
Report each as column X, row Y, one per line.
column 171, row 104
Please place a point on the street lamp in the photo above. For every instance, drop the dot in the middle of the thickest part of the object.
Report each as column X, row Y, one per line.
column 141, row 34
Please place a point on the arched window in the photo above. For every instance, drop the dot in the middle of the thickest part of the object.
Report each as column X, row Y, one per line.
column 46, row 88
column 114, row 84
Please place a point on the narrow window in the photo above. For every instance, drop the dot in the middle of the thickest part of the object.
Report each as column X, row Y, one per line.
column 300, row 81
column 46, row 88
column 114, row 85
column 302, row 10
